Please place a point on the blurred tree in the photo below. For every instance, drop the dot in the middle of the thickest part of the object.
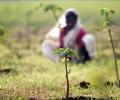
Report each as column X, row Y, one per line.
column 54, row 8
column 50, row 7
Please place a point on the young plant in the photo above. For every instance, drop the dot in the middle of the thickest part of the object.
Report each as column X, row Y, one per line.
column 66, row 53
column 3, row 33
column 51, row 7
column 106, row 13
column 54, row 8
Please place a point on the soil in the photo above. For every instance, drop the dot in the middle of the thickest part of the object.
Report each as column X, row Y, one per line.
column 85, row 98
column 5, row 71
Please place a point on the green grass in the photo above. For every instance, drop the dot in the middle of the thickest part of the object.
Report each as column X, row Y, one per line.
column 13, row 13
column 35, row 76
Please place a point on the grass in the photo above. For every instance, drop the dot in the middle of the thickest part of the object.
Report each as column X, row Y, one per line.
column 34, row 76
column 17, row 12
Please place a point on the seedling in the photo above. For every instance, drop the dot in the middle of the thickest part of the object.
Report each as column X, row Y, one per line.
column 106, row 13
column 66, row 53
column 3, row 33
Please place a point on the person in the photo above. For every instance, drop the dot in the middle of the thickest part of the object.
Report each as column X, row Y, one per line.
column 69, row 32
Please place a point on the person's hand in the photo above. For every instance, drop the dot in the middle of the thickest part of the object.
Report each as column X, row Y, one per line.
column 71, row 44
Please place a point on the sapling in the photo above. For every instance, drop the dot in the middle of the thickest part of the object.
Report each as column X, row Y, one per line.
column 66, row 53
column 3, row 32
column 3, row 35
column 106, row 13
column 50, row 7
column 54, row 8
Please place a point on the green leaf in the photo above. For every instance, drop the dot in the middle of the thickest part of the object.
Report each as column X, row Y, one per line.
column 72, row 52
column 49, row 7
column 59, row 8
column 39, row 6
column 1, row 32
column 106, row 11
column 62, row 52
column 112, row 11
column 52, row 7
column 102, row 12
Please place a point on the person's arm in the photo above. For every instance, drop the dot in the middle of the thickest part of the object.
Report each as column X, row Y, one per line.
column 63, row 32
column 61, row 38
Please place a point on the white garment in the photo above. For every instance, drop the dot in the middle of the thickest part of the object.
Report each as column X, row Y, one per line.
column 72, row 35
column 90, row 44
column 51, row 42
column 53, row 33
column 48, row 49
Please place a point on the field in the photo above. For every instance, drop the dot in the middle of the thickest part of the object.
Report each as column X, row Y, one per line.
column 25, row 74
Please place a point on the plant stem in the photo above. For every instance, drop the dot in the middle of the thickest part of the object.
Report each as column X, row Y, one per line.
column 67, row 80
column 116, row 67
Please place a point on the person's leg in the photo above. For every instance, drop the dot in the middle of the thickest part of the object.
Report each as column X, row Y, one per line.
column 90, row 44
column 83, row 55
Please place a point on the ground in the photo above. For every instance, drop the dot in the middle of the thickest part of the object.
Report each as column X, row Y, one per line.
column 30, row 75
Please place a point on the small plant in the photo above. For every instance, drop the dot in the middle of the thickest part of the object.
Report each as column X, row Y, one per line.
column 66, row 53
column 3, row 33
column 51, row 7
column 106, row 13
column 54, row 8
